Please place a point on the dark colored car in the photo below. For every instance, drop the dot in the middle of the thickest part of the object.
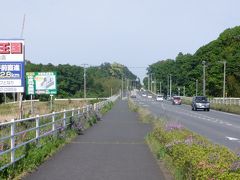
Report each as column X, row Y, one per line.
column 200, row 102
column 176, row 100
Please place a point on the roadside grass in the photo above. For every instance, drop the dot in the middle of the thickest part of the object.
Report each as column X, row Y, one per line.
column 226, row 108
column 186, row 154
column 11, row 111
column 38, row 152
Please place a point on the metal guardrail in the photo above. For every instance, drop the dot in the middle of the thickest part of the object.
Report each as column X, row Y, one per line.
column 225, row 101
column 13, row 133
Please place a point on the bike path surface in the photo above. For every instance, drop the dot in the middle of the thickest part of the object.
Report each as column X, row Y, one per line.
column 114, row 149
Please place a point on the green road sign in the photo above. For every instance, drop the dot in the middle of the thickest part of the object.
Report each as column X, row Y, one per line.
column 41, row 83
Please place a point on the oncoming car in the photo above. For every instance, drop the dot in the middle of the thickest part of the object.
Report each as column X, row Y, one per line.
column 200, row 102
column 159, row 98
column 176, row 100
column 149, row 96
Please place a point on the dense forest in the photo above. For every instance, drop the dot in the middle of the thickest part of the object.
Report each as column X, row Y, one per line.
column 187, row 69
column 101, row 80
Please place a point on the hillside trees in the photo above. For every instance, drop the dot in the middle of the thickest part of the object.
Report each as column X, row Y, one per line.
column 185, row 69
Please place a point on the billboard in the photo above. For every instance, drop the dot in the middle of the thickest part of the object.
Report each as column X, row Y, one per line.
column 41, row 83
column 12, row 66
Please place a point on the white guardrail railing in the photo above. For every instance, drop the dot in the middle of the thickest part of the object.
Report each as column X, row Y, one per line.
column 226, row 101
column 217, row 100
column 16, row 134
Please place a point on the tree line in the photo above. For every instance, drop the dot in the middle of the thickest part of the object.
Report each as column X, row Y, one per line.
column 101, row 81
column 186, row 70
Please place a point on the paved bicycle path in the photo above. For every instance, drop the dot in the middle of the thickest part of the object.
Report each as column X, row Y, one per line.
column 114, row 149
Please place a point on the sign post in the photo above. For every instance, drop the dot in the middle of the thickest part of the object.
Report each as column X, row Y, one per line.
column 41, row 83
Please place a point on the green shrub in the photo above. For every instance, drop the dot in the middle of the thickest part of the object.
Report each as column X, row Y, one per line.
column 192, row 156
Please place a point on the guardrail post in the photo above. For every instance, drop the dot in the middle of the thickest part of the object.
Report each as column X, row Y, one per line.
column 95, row 106
column 13, row 141
column 78, row 111
column 37, row 129
column 64, row 118
column 72, row 112
column 53, row 121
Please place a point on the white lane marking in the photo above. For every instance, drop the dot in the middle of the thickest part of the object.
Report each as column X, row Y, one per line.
column 232, row 138
column 226, row 113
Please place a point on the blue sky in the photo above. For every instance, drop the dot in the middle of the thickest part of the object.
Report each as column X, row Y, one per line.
column 135, row 33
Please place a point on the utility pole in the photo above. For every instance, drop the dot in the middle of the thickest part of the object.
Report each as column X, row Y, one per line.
column 148, row 82
column 224, row 78
column 160, row 88
column 170, row 85
column 184, row 91
column 151, row 82
column 19, row 95
column 122, row 87
column 204, row 78
column 196, row 87
column 84, row 76
column 155, row 85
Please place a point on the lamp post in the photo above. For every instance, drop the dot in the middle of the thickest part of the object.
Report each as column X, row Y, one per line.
column 196, row 87
column 149, row 82
column 224, row 78
column 155, row 85
column 160, row 88
column 84, row 76
column 170, row 85
column 184, row 91
column 204, row 78
column 122, row 88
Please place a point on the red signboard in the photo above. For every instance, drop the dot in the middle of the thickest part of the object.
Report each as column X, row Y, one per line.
column 10, row 48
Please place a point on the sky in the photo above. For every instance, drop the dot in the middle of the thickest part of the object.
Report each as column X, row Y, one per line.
column 135, row 33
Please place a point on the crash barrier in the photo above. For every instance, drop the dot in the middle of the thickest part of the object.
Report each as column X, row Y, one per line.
column 226, row 101
column 16, row 134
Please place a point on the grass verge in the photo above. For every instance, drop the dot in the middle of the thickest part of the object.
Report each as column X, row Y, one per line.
column 187, row 154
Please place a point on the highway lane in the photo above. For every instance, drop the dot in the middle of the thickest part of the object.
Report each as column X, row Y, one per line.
column 219, row 127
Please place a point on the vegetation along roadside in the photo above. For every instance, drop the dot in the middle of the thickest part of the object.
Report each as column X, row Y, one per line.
column 38, row 152
column 187, row 154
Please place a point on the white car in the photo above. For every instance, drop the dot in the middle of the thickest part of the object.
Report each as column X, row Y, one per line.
column 144, row 95
column 150, row 96
column 159, row 98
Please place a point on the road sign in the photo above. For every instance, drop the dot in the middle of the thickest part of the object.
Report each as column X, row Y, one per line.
column 41, row 83
column 12, row 66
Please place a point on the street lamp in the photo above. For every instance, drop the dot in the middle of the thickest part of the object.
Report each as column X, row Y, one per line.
column 85, row 84
column 224, row 78
column 204, row 78
column 196, row 87
column 160, row 88
column 170, row 86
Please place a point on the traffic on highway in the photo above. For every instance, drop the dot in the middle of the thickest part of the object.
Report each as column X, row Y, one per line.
column 219, row 127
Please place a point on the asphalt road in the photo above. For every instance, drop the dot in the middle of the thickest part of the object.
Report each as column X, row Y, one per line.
column 114, row 149
column 219, row 127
